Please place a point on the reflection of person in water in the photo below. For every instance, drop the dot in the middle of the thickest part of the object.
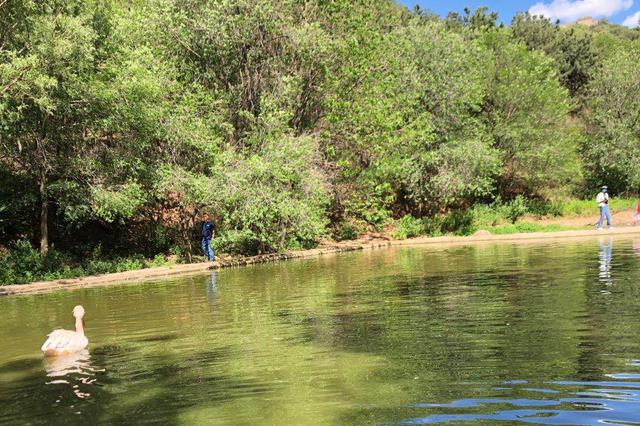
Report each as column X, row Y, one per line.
column 212, row 287
column 636, row 247
column 605, row 249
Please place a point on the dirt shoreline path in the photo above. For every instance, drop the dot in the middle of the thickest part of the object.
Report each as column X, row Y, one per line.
column 368, row 244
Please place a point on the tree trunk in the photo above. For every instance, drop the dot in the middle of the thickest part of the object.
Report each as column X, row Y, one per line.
column 44, row 217
column 186, row 243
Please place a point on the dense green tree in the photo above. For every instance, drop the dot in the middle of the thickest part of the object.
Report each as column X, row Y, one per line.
column 526, row 111
column 46, row 56
column 122, row 122
column 612, row 150
column 480, row 20
column 448, row 158
column 573, row 50
column 251, row 97
column 536, row 32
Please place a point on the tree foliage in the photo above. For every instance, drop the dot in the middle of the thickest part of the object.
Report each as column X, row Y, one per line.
column 612, row 150
column 573, row 50
column 125, row 121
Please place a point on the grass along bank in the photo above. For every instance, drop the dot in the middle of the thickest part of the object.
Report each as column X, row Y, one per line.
column 575, row 208
column 23, row 264
column 516, row 216
column 368, row 243
column 526, row 227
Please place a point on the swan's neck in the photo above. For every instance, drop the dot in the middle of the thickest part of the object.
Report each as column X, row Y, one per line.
column 79, row 326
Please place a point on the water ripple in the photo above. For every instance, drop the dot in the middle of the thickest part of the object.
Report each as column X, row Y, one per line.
column 592, row 403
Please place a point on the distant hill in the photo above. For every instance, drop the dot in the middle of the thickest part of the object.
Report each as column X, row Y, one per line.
column 588, row 21
column 603, row 26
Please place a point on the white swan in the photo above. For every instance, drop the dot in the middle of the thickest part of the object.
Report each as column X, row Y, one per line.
column 64, row 342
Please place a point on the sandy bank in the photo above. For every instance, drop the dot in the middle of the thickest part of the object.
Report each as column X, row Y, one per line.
column 371, row 243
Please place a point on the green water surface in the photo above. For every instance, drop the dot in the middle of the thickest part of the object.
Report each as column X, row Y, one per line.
column 490, row 333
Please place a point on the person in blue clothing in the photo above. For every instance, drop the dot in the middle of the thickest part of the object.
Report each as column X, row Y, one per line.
column 208, row 231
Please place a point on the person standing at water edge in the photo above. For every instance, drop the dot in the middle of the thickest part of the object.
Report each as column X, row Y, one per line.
column 208, row 231
column 603, row 203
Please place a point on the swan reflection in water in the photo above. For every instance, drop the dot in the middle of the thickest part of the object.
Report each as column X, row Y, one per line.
column 73, row 370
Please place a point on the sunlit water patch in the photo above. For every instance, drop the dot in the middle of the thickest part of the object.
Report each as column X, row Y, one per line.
column 567, row 403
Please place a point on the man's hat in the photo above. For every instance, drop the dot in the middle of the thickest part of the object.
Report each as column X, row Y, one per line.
column 604, row 187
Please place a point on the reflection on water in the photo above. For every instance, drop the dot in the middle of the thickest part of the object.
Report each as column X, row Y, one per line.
column 61, row 366
column 212, row 288
column 567, row 403
column 605, row 249
column 73, row 371
column 484, row 333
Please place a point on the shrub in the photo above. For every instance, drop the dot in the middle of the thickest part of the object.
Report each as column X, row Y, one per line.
column 97, row 267
column 515, row 209
column 485, row 215
column 407, row 227
column 53, row 261
column 433, row 225
column 272, row 200
column 575, row 207
column 24, row 259
column 236, row 242
column 158, row 260
column 177, row 251
column 346, row 231
column 129, row 264
column 541, row 208
column 23, row 263
column 459, row 223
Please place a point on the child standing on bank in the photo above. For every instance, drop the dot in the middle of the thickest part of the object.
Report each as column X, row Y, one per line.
column 636, row 217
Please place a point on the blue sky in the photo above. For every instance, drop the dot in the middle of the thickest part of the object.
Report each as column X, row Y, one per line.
column 626, row 12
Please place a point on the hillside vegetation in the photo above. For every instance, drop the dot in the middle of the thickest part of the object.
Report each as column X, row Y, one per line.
column 294, row 121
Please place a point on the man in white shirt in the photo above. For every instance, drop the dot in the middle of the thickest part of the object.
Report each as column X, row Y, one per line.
column 603, row 203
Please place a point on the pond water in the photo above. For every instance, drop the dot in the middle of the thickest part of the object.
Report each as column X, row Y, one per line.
column 494, row 333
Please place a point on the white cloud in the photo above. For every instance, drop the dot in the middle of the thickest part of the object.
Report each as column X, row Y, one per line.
column 568, row 11
column 632, row 21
